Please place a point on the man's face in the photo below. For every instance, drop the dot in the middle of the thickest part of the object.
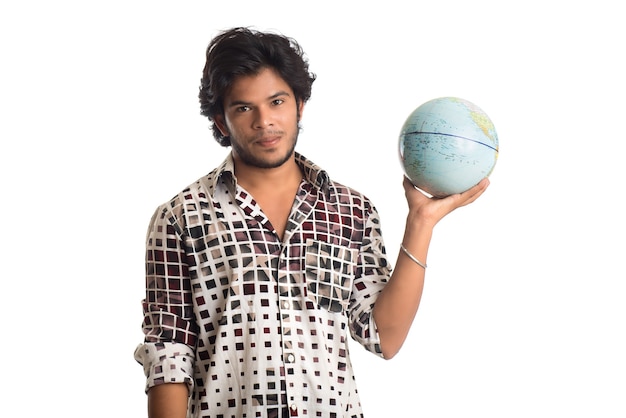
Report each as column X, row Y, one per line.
column 261, row 117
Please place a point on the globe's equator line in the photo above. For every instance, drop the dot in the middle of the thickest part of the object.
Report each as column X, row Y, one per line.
column 455, row 136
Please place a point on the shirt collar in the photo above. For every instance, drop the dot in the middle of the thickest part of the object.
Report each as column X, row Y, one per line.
column 225, row 174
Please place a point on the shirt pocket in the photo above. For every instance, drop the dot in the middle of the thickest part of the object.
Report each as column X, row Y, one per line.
column 329, row 270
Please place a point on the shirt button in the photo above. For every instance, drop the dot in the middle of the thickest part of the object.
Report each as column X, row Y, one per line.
column 285, row 304
column 291, row 358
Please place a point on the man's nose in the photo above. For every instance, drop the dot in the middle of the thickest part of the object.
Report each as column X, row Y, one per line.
column 262, row 118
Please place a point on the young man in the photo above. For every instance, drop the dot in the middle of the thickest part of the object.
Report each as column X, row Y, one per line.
column 258, row 273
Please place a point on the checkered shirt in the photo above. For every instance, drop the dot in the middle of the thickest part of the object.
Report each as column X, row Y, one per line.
column 255, row 325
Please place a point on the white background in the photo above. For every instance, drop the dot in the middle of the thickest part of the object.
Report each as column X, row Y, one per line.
column 524, row 308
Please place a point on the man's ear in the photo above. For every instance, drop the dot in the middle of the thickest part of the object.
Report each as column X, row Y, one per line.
column 300, row 109
column 221, row 125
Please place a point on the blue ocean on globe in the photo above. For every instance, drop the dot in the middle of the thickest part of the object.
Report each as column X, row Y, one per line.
column 447, row 145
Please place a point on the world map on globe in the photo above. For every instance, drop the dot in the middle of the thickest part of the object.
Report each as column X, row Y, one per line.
column 447, row 145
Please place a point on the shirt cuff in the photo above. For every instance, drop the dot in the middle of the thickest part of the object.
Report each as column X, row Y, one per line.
column 166, row 363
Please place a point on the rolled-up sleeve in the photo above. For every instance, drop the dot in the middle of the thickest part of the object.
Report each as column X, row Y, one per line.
column 373, row 272
column 169, row 326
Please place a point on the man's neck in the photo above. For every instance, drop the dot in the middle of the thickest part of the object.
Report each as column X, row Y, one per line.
column 267, row 179
column 274, row 189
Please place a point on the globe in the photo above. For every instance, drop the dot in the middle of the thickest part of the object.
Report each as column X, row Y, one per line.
column 447, row 145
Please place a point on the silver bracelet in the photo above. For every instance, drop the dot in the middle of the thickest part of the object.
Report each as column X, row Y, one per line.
column 412, row 257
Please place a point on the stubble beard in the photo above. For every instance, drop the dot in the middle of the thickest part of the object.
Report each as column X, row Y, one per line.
column 253, row 160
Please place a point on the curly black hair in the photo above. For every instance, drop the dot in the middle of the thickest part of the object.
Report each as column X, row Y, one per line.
column 243, row 51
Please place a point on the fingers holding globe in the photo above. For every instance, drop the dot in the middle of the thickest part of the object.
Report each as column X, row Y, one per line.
column 447, row 145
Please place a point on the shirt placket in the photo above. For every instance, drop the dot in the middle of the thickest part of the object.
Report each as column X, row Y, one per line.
column 289, row 300
column 289, row 344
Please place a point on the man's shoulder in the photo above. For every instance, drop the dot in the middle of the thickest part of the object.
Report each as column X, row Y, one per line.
column 199, row 190
column 343, row 190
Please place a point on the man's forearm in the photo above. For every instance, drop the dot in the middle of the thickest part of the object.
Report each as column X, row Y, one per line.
column 168, row 400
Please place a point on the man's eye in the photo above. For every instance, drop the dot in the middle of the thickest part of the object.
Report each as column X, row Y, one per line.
column 278, row 102
column 243, row 108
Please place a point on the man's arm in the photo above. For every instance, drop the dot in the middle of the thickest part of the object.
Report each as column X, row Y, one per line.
column 397, row 304
column 168, row 400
